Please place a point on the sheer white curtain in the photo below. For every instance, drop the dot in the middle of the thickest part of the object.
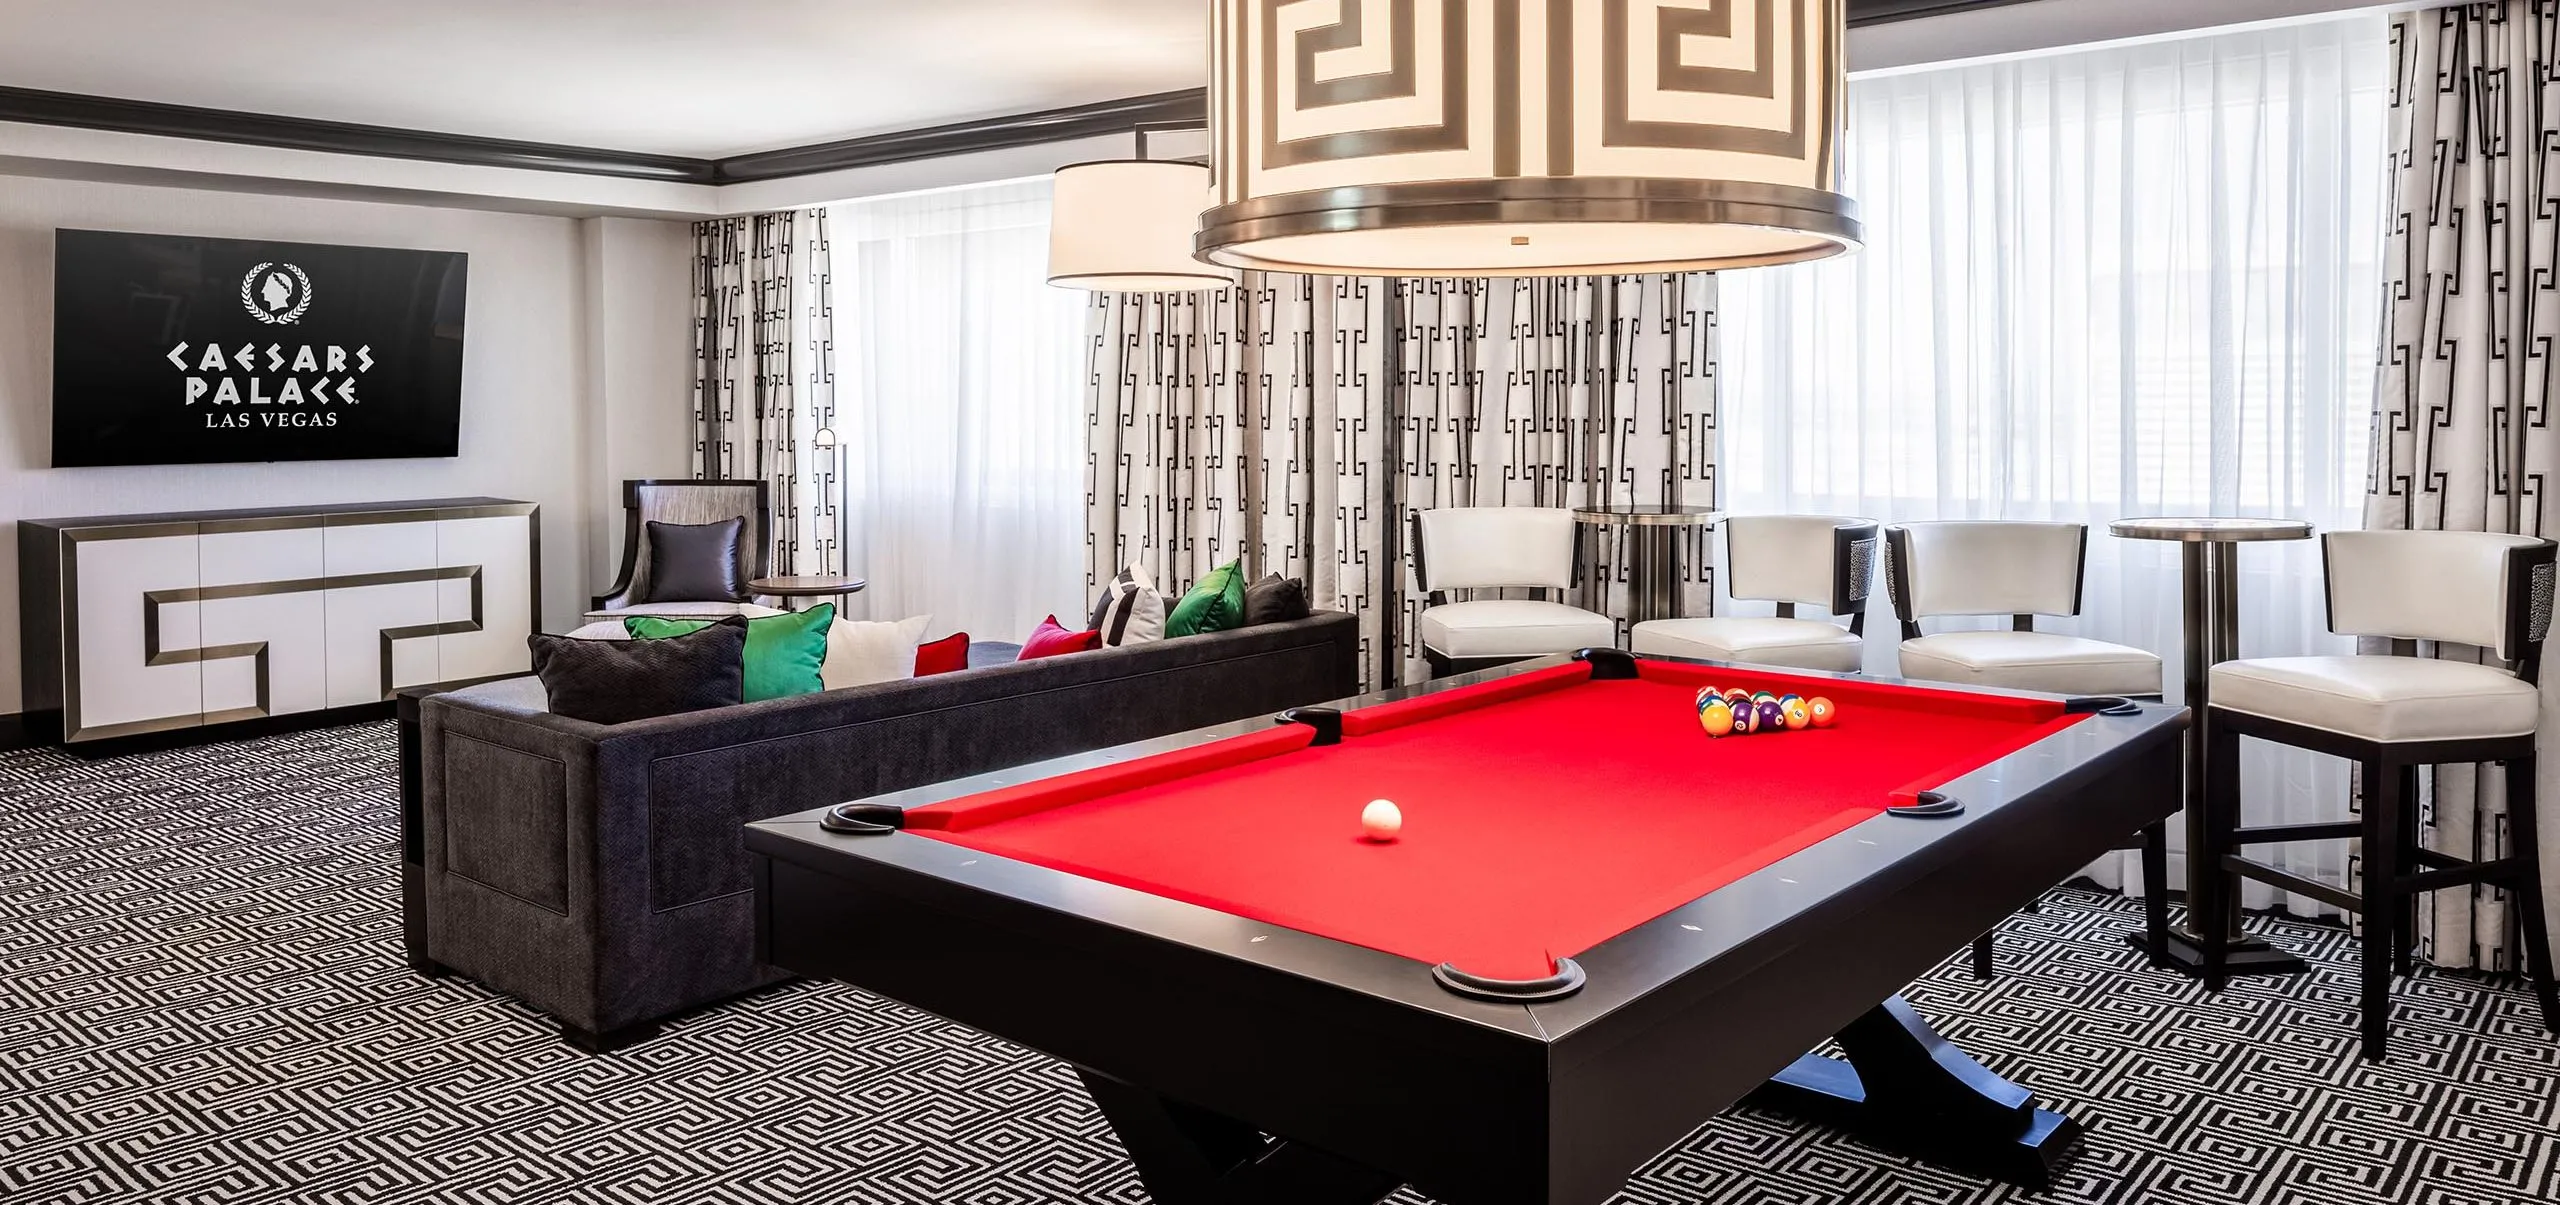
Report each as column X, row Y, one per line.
column 2128, row 281
column 960, row 407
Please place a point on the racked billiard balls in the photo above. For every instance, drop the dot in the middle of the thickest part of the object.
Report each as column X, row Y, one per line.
column 1716, row 716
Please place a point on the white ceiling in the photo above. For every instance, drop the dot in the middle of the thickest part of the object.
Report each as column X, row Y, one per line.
column 700, row 78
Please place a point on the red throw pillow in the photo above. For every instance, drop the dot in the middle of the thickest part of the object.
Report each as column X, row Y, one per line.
column 1050, row 639
column 947, row 655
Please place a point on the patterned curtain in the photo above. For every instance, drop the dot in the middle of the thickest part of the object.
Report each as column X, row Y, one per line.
column 1297, row 422
column 755, row 345
column 2462, row 440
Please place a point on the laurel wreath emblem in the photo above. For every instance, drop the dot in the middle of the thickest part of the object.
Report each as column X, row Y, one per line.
column 249, row 298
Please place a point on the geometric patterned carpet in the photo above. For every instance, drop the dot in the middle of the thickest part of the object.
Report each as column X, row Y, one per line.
column 202, row 1001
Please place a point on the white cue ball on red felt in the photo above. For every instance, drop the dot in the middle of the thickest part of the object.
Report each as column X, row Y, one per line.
column 1381, row 820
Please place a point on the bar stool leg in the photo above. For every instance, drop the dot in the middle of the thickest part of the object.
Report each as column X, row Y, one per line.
column 2382, row 806
column 2524, row 841
column 2404, row 919
column 1982, row 967
column 2155, row 893
column 2217, row 889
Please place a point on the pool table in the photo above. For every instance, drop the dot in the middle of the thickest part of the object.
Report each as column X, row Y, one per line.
column 1598, row 927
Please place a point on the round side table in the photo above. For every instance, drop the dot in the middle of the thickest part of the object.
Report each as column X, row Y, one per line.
column 1653, row 551
column 814, row 585
column 2209, row 575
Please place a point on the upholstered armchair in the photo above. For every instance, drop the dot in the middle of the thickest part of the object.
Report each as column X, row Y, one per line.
column 2392, row 714
column 1499, row 548
column 1790, row 560
column 2019, row 570
column 691, row 503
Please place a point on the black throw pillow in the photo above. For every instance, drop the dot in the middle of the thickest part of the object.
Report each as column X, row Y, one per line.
column 618, row 681
column 1274, row 600
column 697, row 562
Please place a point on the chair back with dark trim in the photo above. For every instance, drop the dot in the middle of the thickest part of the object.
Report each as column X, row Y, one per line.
column 1493, row 547
column 2460, row 587
column 645, row 502
column 1974, row 567
column 1808, row 560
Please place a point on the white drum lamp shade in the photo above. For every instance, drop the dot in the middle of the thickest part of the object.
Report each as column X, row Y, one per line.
column 1126, row 226
column 1491, row 138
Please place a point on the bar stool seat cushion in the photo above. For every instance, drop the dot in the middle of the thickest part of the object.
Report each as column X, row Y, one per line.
column 2046, row 661
column 1514, row 628
column 2380, row 698
column 1795, row 643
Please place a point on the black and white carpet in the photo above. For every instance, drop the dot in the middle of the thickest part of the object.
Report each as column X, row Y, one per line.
column 202, row 1001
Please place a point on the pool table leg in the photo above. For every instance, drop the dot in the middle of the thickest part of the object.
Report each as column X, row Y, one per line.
column 1191, row 1156
column 1907, row 1089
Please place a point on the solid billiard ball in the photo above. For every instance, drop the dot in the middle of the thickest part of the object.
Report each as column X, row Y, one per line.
column 1799, row 713
column 1716, row 716
column 1771, row 717
column 1824, row 712
column 1381, row 821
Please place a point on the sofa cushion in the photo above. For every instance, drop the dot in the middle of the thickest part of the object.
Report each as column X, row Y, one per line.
column 1130, row 610
column 1216, row 604
column 947, row 655
column 861, row 652
column 784, row 652
column 697, row 562
column 1052, row 639
column 1275, row 599
column 617, row 681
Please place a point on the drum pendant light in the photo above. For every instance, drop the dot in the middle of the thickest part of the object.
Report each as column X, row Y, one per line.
column 1524, row 137
column 1125, row 226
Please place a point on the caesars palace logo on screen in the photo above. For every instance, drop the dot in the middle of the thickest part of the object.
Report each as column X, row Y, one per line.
column 276, row 383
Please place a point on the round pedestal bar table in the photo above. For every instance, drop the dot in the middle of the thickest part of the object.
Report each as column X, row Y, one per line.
column 818, row 585
column 1653, row 551
column 2209, row 573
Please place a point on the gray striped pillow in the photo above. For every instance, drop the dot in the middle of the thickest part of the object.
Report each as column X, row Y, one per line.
column 1130, row 610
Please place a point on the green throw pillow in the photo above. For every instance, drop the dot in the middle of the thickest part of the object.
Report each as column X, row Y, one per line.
column 784, row 652
column 1215, row 605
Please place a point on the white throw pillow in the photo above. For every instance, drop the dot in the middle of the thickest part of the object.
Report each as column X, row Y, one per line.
column 861, row 653
column 1130, row 610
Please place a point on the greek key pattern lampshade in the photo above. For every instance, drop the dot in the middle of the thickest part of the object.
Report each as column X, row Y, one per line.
column 1525, row 137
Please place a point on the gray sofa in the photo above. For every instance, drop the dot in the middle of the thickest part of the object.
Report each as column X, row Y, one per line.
column 596, row 871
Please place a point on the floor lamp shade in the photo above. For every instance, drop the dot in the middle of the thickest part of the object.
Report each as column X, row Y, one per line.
column 1126, row 226
column 1492, row 138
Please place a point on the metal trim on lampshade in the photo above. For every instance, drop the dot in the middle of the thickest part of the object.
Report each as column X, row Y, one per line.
column 1125, row 226
column 1475, row 138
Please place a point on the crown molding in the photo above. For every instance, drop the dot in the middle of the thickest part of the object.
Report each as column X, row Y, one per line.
column 337, row 137
column 1185, row 107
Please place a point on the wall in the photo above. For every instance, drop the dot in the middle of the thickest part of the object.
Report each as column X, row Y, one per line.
column 574, row 375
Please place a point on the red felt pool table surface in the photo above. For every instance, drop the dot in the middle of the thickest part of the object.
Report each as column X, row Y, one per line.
column 1543, row 813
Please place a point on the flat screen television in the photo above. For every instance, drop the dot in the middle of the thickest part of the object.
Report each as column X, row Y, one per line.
column 175, row 350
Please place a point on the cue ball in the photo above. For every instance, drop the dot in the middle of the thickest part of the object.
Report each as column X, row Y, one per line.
column 1381, row 820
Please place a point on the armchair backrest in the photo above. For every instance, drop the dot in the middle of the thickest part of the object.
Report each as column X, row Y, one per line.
column 1985, row 568
column 645, row 502
column 1814, row 560
column 1490, row 547
column 2465, row 587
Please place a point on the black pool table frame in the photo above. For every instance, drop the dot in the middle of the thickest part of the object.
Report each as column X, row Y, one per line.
column 1244, row 1062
